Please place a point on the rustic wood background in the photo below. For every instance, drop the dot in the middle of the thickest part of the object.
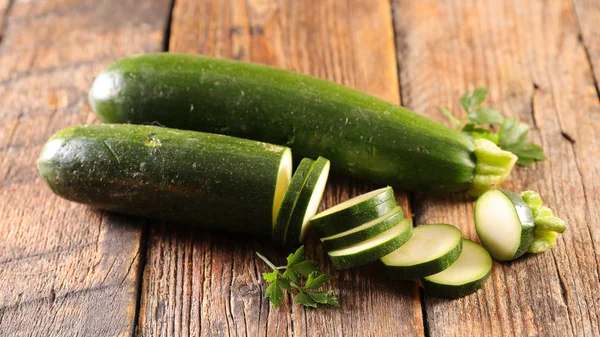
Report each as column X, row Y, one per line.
column 67, row 270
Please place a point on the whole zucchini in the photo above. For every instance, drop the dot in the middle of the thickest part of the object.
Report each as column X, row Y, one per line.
column 213, row 181
column 362, row 135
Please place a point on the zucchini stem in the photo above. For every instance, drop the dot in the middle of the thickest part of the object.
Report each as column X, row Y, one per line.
column 492, row 168
column 547, row 226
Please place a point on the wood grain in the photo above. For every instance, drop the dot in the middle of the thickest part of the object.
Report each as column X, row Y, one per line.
column 529, row 55
column 65, row 270
column 588, row 15
column 210, row 284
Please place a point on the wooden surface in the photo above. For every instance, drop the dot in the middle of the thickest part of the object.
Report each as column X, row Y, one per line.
column 66, row 270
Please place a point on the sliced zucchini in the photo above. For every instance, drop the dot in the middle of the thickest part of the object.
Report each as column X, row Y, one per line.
column 308, row 201
column 431, row 249
column 338, row 225
column 289, row 201
column 372, row 249
column 364, row 231
column 504, row 223
column 353, row 206
column 463, row 277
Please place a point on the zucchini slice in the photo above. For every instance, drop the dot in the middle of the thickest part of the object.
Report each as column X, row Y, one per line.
column 364, row 231
column 358, row 204
column 289, row 201
column 342, row 224
column 431, row 249
column 372, row 249
column 308, row 201
column 465, row 276
column 504, row 223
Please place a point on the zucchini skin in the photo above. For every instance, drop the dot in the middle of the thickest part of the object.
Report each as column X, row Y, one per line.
column 362, row 136
column 213, row 181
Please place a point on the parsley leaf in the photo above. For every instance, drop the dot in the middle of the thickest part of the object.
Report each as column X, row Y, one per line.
column 297, row 269
column 511, row 135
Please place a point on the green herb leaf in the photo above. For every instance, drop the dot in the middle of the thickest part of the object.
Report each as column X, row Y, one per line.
column 324, row 297
column 315, row 280
column 291, row 280
column 483, row 116
column 296, row 257
column 271, row 277
column 510, row 137
column 304, row 299
column 274, row 293
column 469, row 102
column 304, row 268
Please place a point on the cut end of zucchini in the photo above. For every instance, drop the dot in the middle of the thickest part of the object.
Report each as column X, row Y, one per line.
column 315, row 200
column 547, row 226
column 283, row 181
column 431, row 249
column 492, row 168
column 463, row 277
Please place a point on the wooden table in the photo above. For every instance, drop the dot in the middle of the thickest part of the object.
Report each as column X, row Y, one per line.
column 67, row 270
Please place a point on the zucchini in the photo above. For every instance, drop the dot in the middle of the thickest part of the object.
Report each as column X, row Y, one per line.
column 350, row 207
column 337, row 225
column 465, row 276
column 289, row 201
column 364, row 231
column 431, row 249
column 504, row 224
column 362, row 135
column 213, row 181
column 510, row 225
column 372, row 249
column 547, row 226
column 308, row 201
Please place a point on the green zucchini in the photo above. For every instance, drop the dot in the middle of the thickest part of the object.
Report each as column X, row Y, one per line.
column 350, row 207
column 308, row 201
column 372, row 249
column 465, row 276
column 213, row 181
column 510, row 225
column 289, row 201
column 336, row 225
column 364, row 231
column 504, row 224
column 362, row 135
column 431, row 249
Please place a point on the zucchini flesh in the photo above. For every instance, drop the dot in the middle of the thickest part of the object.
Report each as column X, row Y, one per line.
column 372, row 249
column 364, row 231
column 465, row 276
column 284, row 177
column 362, row 135
column 289, row 201
column 308, row 200
column 431, row 249
column 213, row 181
column 504, row 224
column 338, row 225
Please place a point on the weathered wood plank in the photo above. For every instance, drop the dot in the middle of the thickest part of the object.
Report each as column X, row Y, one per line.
column 65, row 270
column 588, row 15
column 210, row 284
column 529, row 55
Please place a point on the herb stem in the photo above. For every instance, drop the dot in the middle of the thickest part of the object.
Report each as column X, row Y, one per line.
column 265, row 260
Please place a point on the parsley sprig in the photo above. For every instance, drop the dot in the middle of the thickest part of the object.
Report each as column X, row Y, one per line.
column 511, row 135
column 297, row 270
